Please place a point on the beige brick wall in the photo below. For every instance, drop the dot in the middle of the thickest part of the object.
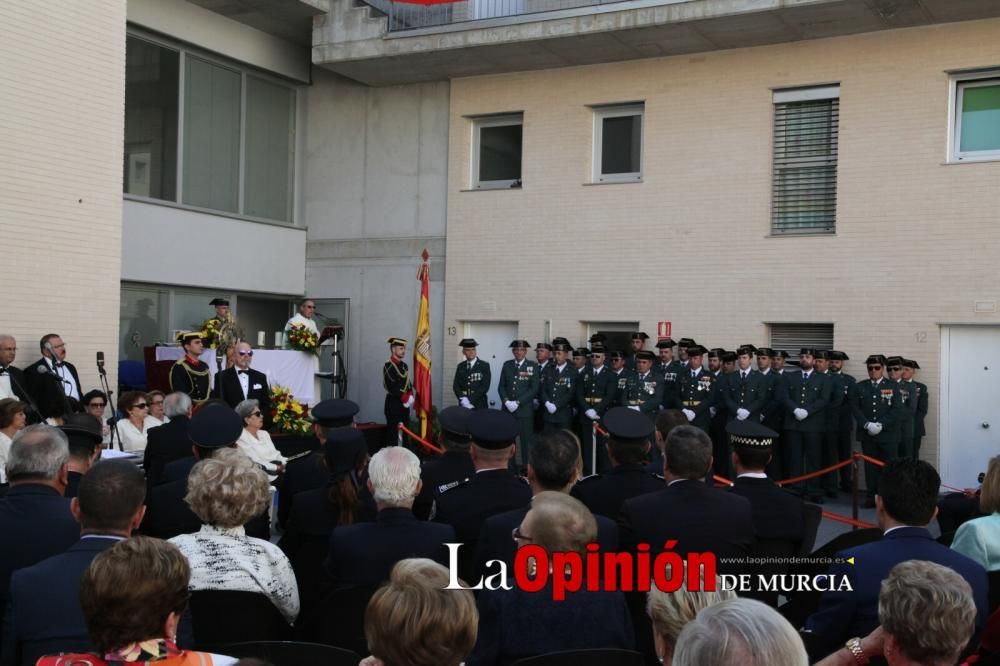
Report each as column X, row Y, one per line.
column 61, row 120
column 916, row 243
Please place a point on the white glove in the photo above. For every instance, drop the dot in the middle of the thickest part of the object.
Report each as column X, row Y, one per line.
column 800, row 413
column 551, row 407
column 742, row 414
column 870, row 427
column 689, row 414
column 761, row 418
column 712, row 412
column 465, row 402
column 592, row 415
column 511, row 405
column 409, row 402
column 878, row 428
column 634, row 407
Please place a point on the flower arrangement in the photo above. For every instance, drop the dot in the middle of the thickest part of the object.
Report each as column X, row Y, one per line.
column 287, row 413
column 302, row 339
column 210, row 329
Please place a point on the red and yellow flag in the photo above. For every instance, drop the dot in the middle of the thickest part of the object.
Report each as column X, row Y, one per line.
column 422, row 353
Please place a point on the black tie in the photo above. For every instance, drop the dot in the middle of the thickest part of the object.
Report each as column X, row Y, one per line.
column 3, row 371
column 243, row 372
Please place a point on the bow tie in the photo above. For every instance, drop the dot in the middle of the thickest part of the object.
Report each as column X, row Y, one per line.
column 3, row 371
column 243, row 372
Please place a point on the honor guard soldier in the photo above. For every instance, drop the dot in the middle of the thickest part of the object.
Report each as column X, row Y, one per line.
column 221, row 308
column 596, row 390
column 831, row 432
column 644, row 391
column 682, row 350
column 580, row 357
column 845, row 433
column 668, row 368
column 910, row 368
column 543, row 355
column 518, row 387
column 778, row 361
column 806, row 396
column 747, row 391
column 190, row 374
column 559, row 390
column 398, row 390
column 907, row 418
column 622, row 375
column 695, row 389
column 493, row 489
column 598, row 340
column 722, row 366
column 472, row 378
column 877, row 409
column 629, row 435
column 637, row 341
column 455, row 465
column 772, row 413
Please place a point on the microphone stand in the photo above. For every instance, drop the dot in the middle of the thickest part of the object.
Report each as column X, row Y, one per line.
column 218, row 375
column 103, row 378
column 32, row 407
column 61, row 383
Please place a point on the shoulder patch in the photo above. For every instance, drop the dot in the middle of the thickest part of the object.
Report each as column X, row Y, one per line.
column 443, row 488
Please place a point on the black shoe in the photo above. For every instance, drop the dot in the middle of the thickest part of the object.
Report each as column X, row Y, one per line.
column 832, row 494
column 869, row 503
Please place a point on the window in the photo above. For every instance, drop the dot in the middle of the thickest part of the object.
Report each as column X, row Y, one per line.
column 976, row 125
column 235, row 134
column 618, row 143
column 793, row 337
column 804, row 185
column 496, row 151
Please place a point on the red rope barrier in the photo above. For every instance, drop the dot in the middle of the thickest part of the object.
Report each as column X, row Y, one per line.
column 812, row 475
column 845, row 519
column 601, row 430
column 420, row 440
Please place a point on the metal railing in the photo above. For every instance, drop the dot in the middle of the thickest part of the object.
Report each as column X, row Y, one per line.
column 407, row 16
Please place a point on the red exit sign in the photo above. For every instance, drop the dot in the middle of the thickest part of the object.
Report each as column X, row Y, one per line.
column 664, row 329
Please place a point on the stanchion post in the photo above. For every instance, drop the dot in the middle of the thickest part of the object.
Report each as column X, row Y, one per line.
column 593, row 447
column 855, row 488
column 399, row 435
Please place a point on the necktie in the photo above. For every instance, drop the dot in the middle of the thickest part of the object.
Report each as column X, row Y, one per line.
column 470, row 365
column 694, row 374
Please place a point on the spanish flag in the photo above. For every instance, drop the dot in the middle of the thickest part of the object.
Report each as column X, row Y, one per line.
column 422, row 353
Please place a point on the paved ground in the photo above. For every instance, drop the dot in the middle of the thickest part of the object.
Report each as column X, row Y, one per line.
column 829, row 529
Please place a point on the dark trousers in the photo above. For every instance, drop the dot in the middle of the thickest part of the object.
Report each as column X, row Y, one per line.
column 830, row 456
column 845, row 442
column 906, row 445
column 916, row 445
column 776, row 468
column 720, row 447
column 803, row 454
column 881, row 450
column 589, row 448
column 526, row 430
column 395, row 414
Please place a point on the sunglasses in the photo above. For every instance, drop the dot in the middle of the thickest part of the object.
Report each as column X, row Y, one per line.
column 140, row 405
column 156, row 403
column 242, row 353
column 255, row 414
column 895, row 369
column 517, row 535
column 874, row 367
column 102, row 405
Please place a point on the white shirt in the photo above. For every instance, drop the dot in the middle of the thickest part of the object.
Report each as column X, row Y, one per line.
column 6, row 390
column 227, row 559
column 752, row 475
column 152, row 422
column 4, row 452
column 305, row 321
column 69, row 386
column 261, row 450
column 132, row 439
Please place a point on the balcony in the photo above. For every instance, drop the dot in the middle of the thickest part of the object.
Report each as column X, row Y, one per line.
column 381, row 42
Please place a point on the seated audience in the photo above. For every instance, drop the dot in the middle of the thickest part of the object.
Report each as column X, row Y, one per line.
column 453, row 465
column 131, row 430
column 739, row 632
column 45, row 616
column 255, row 441
column 515, row 624
column 83, row 432
column 94, row 403
column 927, row 616
column 671, row 611
column 904, row 505
column 34, row 515
column 365, row 553
column 157, row 412
column 12, row 420
column 168, row 442
column 554, row 464
column 132, row 596
column 413, row 621
column 225, row 491
column 979, row 539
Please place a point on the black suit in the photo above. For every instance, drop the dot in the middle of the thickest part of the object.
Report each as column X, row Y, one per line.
column 228, row 388
column 45, row 616
column 364, row 553
column 698, row 517
column 35, row 523
column 777, row 513
column 604, row 494
column 301, row 474
column 168, row 515
column 165, row 444
column 48, row 390
column 496, row 543
column 451, row 467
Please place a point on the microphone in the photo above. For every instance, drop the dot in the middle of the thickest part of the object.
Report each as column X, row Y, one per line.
column 100, row 363
column 44, row 370
column 51, row 350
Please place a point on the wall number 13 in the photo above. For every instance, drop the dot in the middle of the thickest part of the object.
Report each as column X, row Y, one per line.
column 452, row 330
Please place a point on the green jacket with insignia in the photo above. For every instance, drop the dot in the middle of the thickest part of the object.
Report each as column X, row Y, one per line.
column 473, row 382
column 519, row 385
column 881, row 403
column 596, row 391
column 644, row 392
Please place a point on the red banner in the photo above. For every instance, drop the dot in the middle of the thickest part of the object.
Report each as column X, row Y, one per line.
column 422, row 352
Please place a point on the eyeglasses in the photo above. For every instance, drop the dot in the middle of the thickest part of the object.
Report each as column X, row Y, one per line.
column 256, row 414
column 243, row 353
column 895, row 369
column 102, row 405
column 140, row 405
column 156, row 403
column 309, row 307
column 516, row 535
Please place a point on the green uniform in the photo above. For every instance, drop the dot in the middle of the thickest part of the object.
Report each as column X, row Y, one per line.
column 559, row 389
column 877, row 403
column 596, row 390
column 621, row 379
column 472, row 381
column 519, row 383
column 644, row 392
column 907, row 420
column 918, row 422
column 670, row 372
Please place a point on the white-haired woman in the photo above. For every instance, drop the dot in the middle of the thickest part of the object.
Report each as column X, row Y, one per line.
column 256, row 443
column 225, row 491
column 671, row 611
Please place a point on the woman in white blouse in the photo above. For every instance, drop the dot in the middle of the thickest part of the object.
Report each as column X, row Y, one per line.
column 225, row 491
column 12, row 419
column 132, row 429
column 256, row 443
